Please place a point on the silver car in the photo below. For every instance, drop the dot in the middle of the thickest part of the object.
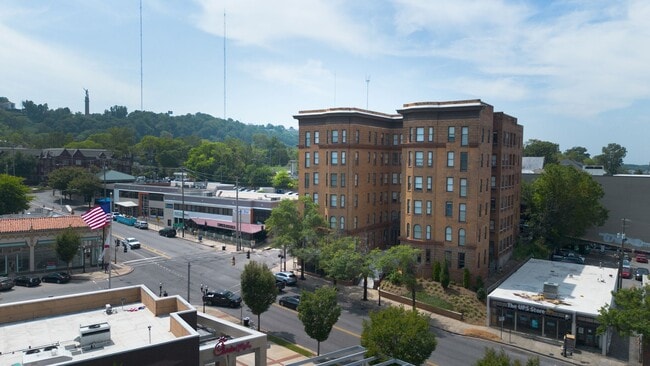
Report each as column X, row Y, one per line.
column 288, row 278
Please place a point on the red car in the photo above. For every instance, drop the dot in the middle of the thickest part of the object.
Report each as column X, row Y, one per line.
column 626, row 272
column 641, row 258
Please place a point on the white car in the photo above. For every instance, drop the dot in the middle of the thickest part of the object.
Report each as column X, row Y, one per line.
column 140, row 224
column 289, row 278
column 132, row 243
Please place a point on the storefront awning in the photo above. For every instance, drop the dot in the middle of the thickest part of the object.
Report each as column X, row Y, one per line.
column 127, row 204
column 229, row 225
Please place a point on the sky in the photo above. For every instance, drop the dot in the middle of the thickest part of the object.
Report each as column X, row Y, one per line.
column 573, row 72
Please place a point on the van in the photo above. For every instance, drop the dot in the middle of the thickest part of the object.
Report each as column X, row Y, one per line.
column 141, row 224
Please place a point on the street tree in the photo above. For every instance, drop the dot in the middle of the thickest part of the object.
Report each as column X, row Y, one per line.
column 630, row 316
column 548, row 150
column 282, row 180
column 563, row 203
column 501, row 358
column 14, row 195
column 397, row 333
column 258, row 288
column 86, row 185
column 612, row 158
column 344, row 258
column 297, row 226
column 398, row 264
column 577, row 153
column 60, row 178
column 67, row 245
column 319, row 311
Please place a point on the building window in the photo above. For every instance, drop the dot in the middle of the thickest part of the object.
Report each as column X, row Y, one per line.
column 342, row 179
column 417, row 207
column 494, row 160
column 419, row 158
column 462, row 212
column 463, row 187
column 315, row 178
column 332, row 222
column 306, row 180
column 464, row 136
column 307, row 160
column 429, row 158
column 461, row 237
column 335, row 136
column 395, row 178
column 356, row 179
column 343, row 158
column 334, row 158
column 333, row 180
column 418, row 183
column 461, row 260
column 316, row 137
column 429, row 184
column 417, row 232
column 342, row 222
column 449, row 209
column 316, row 157
column 450, row 184
column 448, row 234
column 408, row 206
column 493, row 182
column 344, row 136
column 463, row 161
column 307, row 139
column 429, row 207
column 428, row 237
column 430, row 134
column 333, row 200
column 408, row 230
column 451, row 134
column 315, row 198
column 408, row 184
column 356, row 200
column 450, row 159
column 419, row 134
column 342, row 201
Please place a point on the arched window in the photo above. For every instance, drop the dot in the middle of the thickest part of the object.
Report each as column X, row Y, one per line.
column 448, row 233
column 332, row 222
column 461, row 237
column 417, row 231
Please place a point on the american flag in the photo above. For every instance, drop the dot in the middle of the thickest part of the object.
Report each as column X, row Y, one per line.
column 96, row 218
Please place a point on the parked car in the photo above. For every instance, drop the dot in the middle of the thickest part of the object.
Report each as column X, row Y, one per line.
column 141, row 225
column 6, row 283
column 640, row 272
column 169, row 232
column 27, row 281
column 222, row 298
column 641, row 258
column 289, row 278
column 56, row 277
column 291, row 301
column 626, row 272
column 131, row 243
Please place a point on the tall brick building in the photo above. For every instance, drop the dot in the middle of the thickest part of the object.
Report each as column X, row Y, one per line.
column 441, row 176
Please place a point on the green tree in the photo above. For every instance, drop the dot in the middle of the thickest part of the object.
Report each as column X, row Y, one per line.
column 258, row 288
column 86, row 185
column 577, row 153
column 344, row 258
column 282, row 180
column 398, row 333
column 501, row 358
column 612, row 158
column 564, row 202
column 630, row 316
column 399, row 265
column 319, row 311
column 548, row 150
column 444, row 275
column 297, row 226
column 67, row 245
column 14, row 195
column 467, row 278
column 60, row 178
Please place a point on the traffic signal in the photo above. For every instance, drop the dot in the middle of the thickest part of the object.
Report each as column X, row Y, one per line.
column 248, row 254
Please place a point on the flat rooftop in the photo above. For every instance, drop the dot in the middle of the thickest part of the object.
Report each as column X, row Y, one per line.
column 129, row 328
column 582, row 289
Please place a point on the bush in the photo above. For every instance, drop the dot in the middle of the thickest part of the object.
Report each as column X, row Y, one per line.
column 481, row 295
column 467, row 278
column 436, row 271
column 444, row 276
column 479, row 283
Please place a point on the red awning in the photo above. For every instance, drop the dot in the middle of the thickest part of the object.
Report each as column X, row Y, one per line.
column 229, row 225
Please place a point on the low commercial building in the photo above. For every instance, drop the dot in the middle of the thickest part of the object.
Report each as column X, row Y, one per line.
column 125, row 326
column 551, row 299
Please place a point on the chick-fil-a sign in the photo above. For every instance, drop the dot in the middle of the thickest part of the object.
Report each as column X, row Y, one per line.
column 221, row 348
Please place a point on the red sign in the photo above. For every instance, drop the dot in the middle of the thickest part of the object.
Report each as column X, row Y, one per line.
column 221, row 349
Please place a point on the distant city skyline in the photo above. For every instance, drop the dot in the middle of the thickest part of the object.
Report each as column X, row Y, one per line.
column 572, row 72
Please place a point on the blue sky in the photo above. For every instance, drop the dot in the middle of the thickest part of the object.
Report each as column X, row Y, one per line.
column 576, row 73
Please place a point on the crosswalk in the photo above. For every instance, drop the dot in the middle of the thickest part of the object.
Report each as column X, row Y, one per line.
column 145, row 261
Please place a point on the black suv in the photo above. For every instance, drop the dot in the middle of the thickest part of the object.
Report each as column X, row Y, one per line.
column 222, row 298
column 169, row 232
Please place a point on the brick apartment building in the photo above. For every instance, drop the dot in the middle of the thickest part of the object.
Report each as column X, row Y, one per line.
column 441, row 176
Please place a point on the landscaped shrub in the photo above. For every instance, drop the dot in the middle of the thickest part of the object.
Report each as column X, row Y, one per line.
column 436, row 271
column 481, row 295
column 479, row 283
column 444, row 276
column 467, row 278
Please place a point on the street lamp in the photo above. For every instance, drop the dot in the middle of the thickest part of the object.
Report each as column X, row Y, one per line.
column 160, row 289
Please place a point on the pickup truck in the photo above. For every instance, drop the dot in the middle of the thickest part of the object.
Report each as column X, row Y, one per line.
column 570, row 257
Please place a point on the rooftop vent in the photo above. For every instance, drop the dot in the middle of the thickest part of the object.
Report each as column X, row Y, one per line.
column 550, row 290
